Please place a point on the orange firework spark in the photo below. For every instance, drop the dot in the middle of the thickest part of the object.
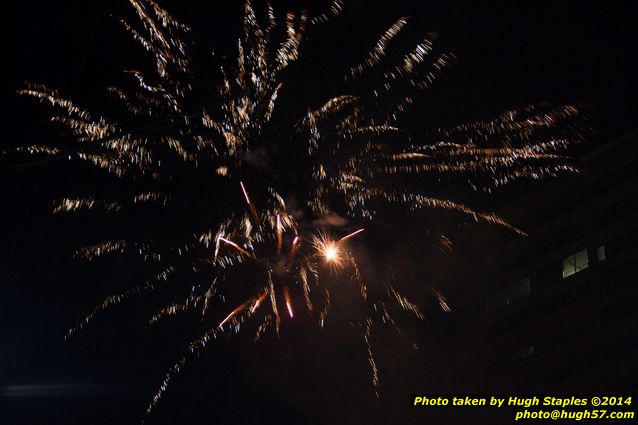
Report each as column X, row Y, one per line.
column 233, row 313
column 261, row 298
column 294, row 246
column 234, row 245
column 243, row 189
column 346, row 237
column 252, row 208
column 330, row 250
column 279, row 234
column 288, row 302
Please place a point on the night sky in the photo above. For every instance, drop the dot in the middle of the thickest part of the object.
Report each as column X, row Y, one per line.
column 511, row 54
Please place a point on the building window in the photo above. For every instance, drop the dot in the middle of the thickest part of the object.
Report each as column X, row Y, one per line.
column 508, row 295
column 561, row 206
column 620, row 309
column 509, row 324
column 616, row 211
column 562, row 238
column 549, row 275
column 600, row 253
column 568, row 334
column 577, row 367
column 625, row 242
column 615, row 179
column 619, row 277
column 624, row 347
column 572, row 296
column 517, row 356
column 575, row 263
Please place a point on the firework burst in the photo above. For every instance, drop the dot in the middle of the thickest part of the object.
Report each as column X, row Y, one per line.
column 227, row 129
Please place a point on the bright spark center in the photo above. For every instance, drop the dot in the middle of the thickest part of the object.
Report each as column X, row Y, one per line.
column 331, row 253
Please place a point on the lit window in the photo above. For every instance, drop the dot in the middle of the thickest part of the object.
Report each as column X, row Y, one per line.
column 575, row 263
column 600, row 253
column 506, row 296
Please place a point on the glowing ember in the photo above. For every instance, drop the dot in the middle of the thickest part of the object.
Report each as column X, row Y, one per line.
column 331, row 253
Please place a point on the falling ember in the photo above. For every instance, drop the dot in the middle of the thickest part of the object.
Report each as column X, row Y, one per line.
column 234, row 245
column 441, row 300
column 261, row 298
column 279, row 234
column 288, row 302
column 243, row 189
column 253, row 211
column 242, row 306
column 232, row 314
column 294, row 246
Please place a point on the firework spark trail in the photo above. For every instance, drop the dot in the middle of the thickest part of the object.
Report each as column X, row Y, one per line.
column 367, row 331
column 354, row 148
column 442, row 300
column 234, row 245
column 279, row 234
column 257, row 303
column 346, row 237
column 356, row 276
column 379, row 50
column 288, row 302
column 110, row 301
column 233, row 313
column 273, row 303
column 243, row 189
column 253, row 210
column 295, row 245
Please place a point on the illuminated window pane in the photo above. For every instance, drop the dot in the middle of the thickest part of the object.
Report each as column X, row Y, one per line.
column 575, row 263
column 600, row 253
column 568, row 266
column 581, row 260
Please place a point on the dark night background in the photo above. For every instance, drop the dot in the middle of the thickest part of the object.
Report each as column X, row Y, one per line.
column 511, row 54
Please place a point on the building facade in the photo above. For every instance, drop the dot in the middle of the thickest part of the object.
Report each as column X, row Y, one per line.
column 555, row 311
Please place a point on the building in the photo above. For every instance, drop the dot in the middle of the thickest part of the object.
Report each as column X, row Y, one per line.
column 555, row 311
